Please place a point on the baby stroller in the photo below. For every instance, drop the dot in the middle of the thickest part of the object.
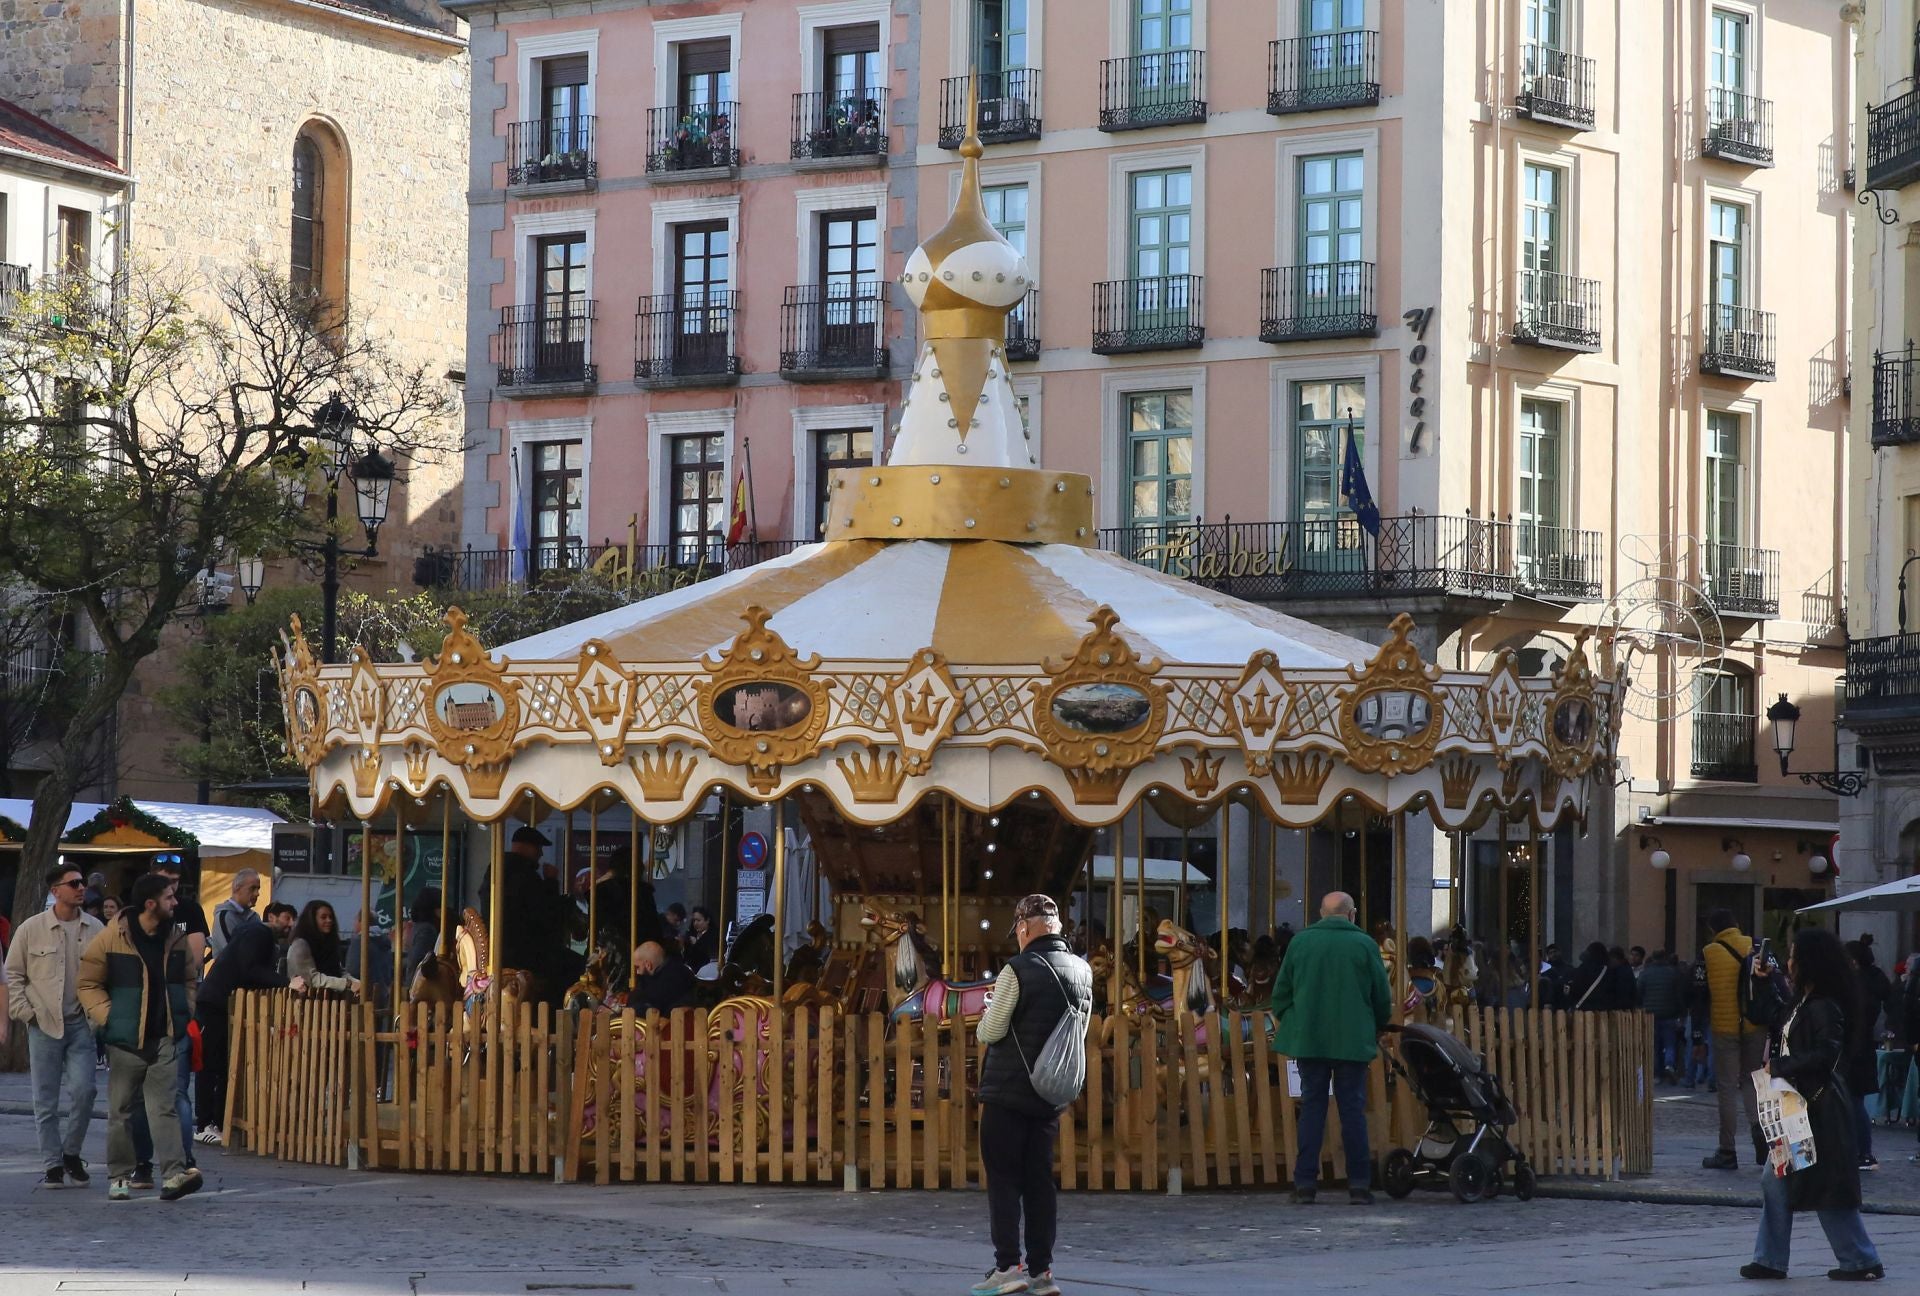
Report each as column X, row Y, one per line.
column 1458, row 1091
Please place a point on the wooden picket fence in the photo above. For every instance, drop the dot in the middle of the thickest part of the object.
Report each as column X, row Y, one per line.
column 741, row 1094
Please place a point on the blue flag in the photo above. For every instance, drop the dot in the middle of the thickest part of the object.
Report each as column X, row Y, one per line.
column 1353, row 486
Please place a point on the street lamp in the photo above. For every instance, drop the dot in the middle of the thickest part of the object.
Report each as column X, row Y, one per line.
column 252, row 575
column 1785, row 718
column 1741, row 860
column 373, row 491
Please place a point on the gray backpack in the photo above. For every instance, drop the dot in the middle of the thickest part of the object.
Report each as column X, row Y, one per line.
column 1060, row 1072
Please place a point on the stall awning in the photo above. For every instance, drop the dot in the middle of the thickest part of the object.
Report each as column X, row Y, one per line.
column 1164, row 871
column 221, row 830
column 1736, row 822
column 1900, row 895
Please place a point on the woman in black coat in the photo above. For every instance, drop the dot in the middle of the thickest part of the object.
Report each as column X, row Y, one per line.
column 1812, row 1058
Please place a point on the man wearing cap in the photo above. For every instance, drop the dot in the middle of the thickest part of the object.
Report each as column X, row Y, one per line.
column 1036, row 988
column 535, row 921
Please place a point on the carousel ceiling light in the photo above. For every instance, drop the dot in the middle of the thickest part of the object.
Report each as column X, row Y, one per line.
column 987, row 874
column 991, row 848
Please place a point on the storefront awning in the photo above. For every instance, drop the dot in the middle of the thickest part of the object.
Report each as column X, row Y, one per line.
column 1900, row 895
column 1730, row 823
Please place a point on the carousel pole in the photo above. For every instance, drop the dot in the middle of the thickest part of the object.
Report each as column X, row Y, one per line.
column 1114, row 944
column 946, row 870
column 1500, row 874
column 496, row 900
column 633, row 891
column 446, row 857
column 399, row 911
column 1140, row 890
column 1366, row 892
column 1534, row 906
column 779, row 899
column 566, row 857
column 593, row 875
column 366, row 909
column 1401, row 975
column 720, row 937
column 1181, row 914
column 1273, row 876
column 1226, row 880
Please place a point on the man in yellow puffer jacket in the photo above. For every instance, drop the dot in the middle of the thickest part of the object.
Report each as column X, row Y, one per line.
column 1739, row 1047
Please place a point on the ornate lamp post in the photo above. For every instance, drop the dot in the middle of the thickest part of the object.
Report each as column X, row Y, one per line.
column 1785, row 718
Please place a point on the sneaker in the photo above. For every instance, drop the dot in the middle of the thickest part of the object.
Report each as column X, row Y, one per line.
column 1304, row 1196
column 1360, row 1197
column 1724, row 1159
column 77, row 1172
column 1873, row 1273
column 119, row 1190
column 210, row 1135
column 1869, row 1163
column 54, row 1178
column 1043, row 1284
column 1757, row 1270
column 142, row 1177
column 186, row 1182
column 1001, row 1282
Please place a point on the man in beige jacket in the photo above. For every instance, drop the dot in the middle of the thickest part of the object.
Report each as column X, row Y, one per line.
column 43, row 968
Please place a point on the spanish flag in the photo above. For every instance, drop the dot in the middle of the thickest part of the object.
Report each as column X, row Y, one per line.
column 737, row 528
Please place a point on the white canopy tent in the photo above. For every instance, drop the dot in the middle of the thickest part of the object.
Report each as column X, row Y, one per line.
column 1163, row 871
column 1899, row 896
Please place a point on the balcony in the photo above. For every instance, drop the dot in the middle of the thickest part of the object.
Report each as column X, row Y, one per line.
column 656, row 569
column 834, row 130
column 1009, row 107
column 1883, row 684
column 1331, row 70
column 1555, row 87
column 554, row 154
column 1023, row 328
column 693, row 143
column 1333, row 300
column 1558, row 311
column 546, row 351
column 1741, row 580
column 1165, row 89
column 1158, row 314
column 681, row 341
column 1739, row 128
column 1739, row 343
column 834, row 332
column 1893, row 142
column 1896, row 415
column 1723, row 747
column 1421, row 553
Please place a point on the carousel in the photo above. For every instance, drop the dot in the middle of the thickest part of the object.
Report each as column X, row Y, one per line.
column 950, row 696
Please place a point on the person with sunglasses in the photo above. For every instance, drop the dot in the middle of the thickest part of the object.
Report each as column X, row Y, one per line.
column 43, row 970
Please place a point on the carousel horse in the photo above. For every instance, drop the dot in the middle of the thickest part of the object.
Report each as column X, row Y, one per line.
column 435, row 981
column 1191, row 961
column 1134, row 1002
column 915, row 988
column 590, row 991
column 470, row 947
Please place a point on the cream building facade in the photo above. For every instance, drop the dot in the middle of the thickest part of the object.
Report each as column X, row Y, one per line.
column 327, row 140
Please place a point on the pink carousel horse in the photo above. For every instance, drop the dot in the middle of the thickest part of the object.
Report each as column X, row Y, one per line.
column 915, row 987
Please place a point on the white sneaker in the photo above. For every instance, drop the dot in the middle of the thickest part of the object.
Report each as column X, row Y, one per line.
column 1001, row 1282
column 209, row 1135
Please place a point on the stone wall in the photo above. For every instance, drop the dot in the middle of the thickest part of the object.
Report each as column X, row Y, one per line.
column 63, row 60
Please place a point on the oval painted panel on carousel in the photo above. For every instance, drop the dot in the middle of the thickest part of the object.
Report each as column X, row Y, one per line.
column 1101, row 708
column 1573, row 721
column 762, row 706
column 1393, row 715
column 306, row 710
column 468, row 705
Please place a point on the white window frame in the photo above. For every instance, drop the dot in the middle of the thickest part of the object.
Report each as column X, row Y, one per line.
column 1566, row 163
column 960, row 36
column 1281, row 376
column 816, row 19
column 687, row 211
column 1289, row 152
column 1115, row 387
column 809, row 421
column 528, row 228
column 1120, row 30
column 994, row 175
column 1571, row 13
column 1121, row 168
column 670, row 34
column 521, row 436
column 808, row 204
column 1748, row 411
column 1751, row 13
column 662, row 425
column 1567, row 396
column 530, row 50
column 1750, row 270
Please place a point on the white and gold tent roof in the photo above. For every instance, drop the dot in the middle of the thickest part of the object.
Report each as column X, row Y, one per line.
column 956, row 634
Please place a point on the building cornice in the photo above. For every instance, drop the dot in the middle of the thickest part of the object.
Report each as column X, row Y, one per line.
column 40, row 164
column 369, row 19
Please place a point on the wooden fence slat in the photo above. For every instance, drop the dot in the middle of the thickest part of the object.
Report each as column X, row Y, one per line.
column 772, row 1060
column 701, row 1132
column 800, row 1045
column 903, row 1103
column 1099, row 1076
column 1122, row 1146
column 825, row 1058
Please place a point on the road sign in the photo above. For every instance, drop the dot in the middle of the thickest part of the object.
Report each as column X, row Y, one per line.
column 753, row 851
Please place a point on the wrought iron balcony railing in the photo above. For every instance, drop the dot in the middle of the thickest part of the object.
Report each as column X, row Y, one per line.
column 1557, row 310
column 1739, row 127
column 683, row 340
column 1556, row 87
column 840, row 127
column 655, row 568
column 1741, row 579
column 834, row 331
column 553, row 150
column 703, row 137
column 1896, row 411
column 1739, row 343
column 1009, row 107
column 1723, row 747
column 1330, row 300
column 547, row 345
column 1893, row 142
column 1419, row 553
column 1883, row 676
column 1164, row 89
column 1023, row 328
column 1328, row 70
column 1161, row 313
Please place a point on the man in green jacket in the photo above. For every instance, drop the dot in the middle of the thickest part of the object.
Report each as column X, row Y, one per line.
column 1332, row 1003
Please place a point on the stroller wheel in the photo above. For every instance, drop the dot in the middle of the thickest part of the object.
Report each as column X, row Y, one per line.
column 1396, row 1173
column 1524, row 1182
column 1469, row 1177
column 1496, row 1182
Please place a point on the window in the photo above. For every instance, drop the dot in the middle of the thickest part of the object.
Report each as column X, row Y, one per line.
column 1540, row 219
column 1159, row 247
column 1538, row 508
column 1330, row 231
column 850, row 299
column 319, row 227
column 1727, row 256
column 1724, row 723
column 1335, row 47
column 851, row 69
column 1007, row 212
column 1000, row 27
column 1325, row 414
column 558, row 519
column 560, row 301
column 697, row 498
column 308, row 215
column 702, row 276
column 1159, row 458
column 1727, row 52
column 836, row 448
column 1544, row 24
column 3, row 227
column 75, row 241
column 1162, row 25
column 1725, row 495
column 706, row 75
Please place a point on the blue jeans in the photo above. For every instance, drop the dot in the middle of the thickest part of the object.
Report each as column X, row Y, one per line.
column 69, row 1059
column 1349, row 1082
column 1846, row 1231
column 1670, row 1039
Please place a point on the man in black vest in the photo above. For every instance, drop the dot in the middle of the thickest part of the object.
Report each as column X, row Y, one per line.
column 1036, row 988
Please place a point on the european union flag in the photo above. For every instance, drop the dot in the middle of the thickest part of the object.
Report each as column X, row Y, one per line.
column 1353, row 486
